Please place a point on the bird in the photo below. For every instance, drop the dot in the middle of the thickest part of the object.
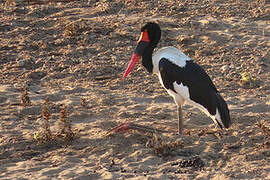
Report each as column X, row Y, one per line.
column 184, row 79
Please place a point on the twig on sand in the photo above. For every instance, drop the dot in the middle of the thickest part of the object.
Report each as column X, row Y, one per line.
column 141, row 128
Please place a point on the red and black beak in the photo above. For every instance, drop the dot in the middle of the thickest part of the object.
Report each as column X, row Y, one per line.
column 136, row 56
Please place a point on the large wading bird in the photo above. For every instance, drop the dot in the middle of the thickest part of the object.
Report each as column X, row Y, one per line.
column 183, row 79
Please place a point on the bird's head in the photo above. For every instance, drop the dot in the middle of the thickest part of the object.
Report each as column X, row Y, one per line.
column 149, row 38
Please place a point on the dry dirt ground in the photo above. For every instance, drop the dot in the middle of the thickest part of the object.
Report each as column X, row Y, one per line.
column 74, row 54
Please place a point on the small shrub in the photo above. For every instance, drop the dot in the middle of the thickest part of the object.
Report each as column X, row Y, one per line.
column 265, row 129
column 163, row 147
column 64, row 130
column 64, row 125
column 25, row 100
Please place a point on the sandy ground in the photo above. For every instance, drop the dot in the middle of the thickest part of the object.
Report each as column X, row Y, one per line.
column 74, row 54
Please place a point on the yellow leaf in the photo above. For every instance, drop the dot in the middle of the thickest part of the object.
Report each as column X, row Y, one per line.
column 36, row 136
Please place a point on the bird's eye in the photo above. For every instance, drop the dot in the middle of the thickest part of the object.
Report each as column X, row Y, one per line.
column 144, row 37
column 140, row 38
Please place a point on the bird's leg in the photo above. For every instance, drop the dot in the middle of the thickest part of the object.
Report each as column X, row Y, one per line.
column 180, row 120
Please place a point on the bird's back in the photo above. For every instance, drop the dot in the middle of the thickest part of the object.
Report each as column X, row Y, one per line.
column 175, row 55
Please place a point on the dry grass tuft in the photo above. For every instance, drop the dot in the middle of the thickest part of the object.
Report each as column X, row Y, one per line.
column 64, row 130
column 46, row 125
column 25, row 100
column 162, row 146
column 71, row 30
column 265, row 129
column 44, row 134
column 84, row 103
column 74, row 29
column 64, row 125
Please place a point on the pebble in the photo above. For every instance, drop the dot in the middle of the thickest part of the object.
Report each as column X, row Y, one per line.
column 22, row 63
column 37, row 75
column 224, row 68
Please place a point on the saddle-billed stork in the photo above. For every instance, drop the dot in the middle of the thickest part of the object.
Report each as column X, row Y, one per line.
column 183, row 79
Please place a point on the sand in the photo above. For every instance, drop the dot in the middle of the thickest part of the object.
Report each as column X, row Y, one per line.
column 74, row 55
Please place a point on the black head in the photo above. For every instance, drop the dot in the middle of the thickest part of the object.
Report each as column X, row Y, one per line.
column 154, row 32
column 149, row 39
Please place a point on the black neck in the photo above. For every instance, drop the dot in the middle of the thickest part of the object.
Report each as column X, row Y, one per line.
column 148, row 51
column 147, row 59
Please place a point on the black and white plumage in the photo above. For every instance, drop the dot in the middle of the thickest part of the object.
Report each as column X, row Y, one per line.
column 183, row 79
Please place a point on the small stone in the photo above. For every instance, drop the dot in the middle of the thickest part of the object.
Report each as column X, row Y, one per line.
column 113, row 57
column 36, row 75
column 224, row 68
column 26, row 63
column 22, row 63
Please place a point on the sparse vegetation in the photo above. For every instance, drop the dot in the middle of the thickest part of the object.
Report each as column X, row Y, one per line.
column 64, row 126
column 71, row 30
column 64, row 130
column 84, row 103
column 45, row 45
column 25, row 100
column 247, row 81
column 46, row 122
column 163, row 146
column 44, row 134
column 265, row 129
column 74, row 29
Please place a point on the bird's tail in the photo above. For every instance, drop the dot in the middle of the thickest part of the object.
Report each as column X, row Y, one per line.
column 223, row 111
